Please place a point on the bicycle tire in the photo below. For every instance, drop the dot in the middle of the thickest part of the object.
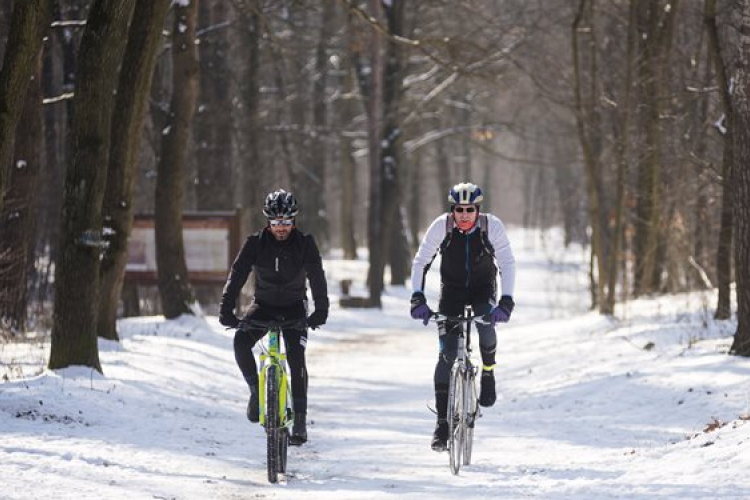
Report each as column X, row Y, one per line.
column 284, row 421
column 470, row 410
column 283, row 448
column 272, row 425
column 456, row 420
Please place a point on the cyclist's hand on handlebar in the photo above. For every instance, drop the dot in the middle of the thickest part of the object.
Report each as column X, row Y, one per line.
column 228, row 319
column 317, row 318
column 501, row 312
column 419, row 308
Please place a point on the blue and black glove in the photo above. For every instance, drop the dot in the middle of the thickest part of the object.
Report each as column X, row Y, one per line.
column 419, row 307
column 501, row 312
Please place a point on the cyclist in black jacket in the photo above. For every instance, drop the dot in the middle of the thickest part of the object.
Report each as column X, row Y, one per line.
column 282, row 258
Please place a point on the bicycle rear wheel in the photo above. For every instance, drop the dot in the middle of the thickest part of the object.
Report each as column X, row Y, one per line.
column 456, row 420
column 471, row 413
column 273, row 433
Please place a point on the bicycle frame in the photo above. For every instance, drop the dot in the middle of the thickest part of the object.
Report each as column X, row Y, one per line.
column 273, row 356
column 276, row 413
column 463, row 408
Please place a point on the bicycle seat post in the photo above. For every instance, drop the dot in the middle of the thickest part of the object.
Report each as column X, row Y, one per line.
column 468, row 313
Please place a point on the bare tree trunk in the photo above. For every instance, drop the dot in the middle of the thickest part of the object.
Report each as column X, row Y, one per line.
column 724, row 253
column 18, row 212
column 28, row 25
column 213, row 124
column 58, row 123
column 249, row 146
column 588, row 128
column 394, row 230
column 347, row 113
column 741, row 182
column 74, row 338
column 127, row 130
column 299, row 147
column 174, row 287
column 375, row 134
column 655, row 23
column 623, row 153
column 318, row 220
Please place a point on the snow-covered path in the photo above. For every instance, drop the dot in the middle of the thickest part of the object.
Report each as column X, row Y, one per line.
column 586, row 411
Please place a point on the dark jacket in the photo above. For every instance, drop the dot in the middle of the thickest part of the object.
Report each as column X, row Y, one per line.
column 280, row 271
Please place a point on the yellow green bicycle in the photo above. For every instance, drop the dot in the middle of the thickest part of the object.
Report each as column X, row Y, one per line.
column 276, row 414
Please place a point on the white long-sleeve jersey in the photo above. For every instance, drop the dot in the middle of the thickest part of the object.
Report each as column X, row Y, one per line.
column 435, row 236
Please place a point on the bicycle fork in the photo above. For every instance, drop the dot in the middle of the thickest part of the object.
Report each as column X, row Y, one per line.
column 471, row 396
column 286, row 415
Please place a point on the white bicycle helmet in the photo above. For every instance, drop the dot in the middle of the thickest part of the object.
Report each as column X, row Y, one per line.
column 465, row 193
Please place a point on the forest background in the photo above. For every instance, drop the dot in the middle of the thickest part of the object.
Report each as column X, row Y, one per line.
column 625, row 122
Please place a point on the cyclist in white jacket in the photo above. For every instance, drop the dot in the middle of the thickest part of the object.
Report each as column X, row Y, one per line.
column 474, row 247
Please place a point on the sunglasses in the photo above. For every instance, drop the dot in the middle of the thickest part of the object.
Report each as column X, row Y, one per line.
column 281, row 222
column 468, row 210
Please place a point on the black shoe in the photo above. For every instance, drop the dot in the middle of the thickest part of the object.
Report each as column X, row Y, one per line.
column 487, row 395
column 299, row 429
column 440, row 437
column 253, row 407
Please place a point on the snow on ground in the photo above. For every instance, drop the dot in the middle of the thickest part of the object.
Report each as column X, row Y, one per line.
column 644, row 406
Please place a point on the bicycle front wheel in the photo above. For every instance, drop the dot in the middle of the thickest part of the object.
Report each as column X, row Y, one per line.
column 283, row 447
column 471, row 413
column 273, row 433
column 456, row 420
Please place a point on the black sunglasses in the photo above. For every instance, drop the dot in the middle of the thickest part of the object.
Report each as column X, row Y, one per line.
column 469, row 210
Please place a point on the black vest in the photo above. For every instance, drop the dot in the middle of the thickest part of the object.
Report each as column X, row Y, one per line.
column 466, row 261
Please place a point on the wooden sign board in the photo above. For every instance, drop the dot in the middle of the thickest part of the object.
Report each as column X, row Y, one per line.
column 211, row 241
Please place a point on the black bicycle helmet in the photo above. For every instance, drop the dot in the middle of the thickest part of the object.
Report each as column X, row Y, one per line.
column 280, row 204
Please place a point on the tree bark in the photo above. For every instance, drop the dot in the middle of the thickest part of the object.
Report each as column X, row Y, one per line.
column 741, row 182
column 131, row 103
column 18, row 214
column 29, row 23
column 655, row 30
column 317, row 222
column 249, row 147
column 394, row 230
column 213, row 124
column 724, row 251
column 174, row 288
column 346, row 114
column 588, row 128
column 623, row 160
column 375, row 134
column 74, row 338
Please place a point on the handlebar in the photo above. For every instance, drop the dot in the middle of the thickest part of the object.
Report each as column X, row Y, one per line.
column 272, row 324
column 477, row 318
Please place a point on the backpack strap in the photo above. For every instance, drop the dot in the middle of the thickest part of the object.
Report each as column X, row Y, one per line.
column 448, row 233
column 483, row 223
